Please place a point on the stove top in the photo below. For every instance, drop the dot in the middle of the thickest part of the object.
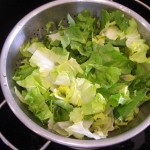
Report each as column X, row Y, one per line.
column 13, row 134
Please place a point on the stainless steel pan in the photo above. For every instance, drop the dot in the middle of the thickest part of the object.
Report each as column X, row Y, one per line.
column 33, row 25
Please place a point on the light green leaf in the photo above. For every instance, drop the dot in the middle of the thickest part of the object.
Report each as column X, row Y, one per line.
column 96, row 105
column 45, row 59
column 76, row 115
column 70, row 20
column 37, row 105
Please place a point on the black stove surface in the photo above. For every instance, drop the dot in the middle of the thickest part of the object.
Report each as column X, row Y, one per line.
column 11, row 11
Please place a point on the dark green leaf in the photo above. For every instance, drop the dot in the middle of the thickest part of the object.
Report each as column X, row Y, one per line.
column 117, row 42
column 121, row 21
column 87, row 22
column 24, row 70
column 125, row 110
column 63, row 105
column 117, row 16
column 59, row 50
column 60, row 114
column 105, row 17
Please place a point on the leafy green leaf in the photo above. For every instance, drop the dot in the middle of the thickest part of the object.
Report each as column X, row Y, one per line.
column 138, row 51
column 46, row 59
column 81, row 129
column 24, row 70
column 117, row 16
column 117, row 42
column 114, row 99
column 60, row 114
column 72, row 34
column 105, row 17
column 35, row 80
column 106, row 76
column 81, row 92
column 70, row 20
column 76, row 115
column 121, row 21
column 23, row 49
column 37, row 105
column 129, row 108
column 97, row 105
column 86, row 21
column 50, row 26
column 63, row 105
column 142, row 78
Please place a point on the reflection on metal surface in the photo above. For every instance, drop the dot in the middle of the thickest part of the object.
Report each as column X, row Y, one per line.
column 7, row 142
column 140, row 2
column 45, row 145
column 2, row 104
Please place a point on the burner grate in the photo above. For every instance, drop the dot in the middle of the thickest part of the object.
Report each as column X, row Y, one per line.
column 42, row 143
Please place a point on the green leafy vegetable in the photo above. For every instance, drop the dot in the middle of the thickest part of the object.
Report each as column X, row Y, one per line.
column 116, row 16
column 60, row 114
column 87, row 77
column 127, row 109
column 36, row 102
column 70, row 20
column 97, row 105
column 24, row 70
